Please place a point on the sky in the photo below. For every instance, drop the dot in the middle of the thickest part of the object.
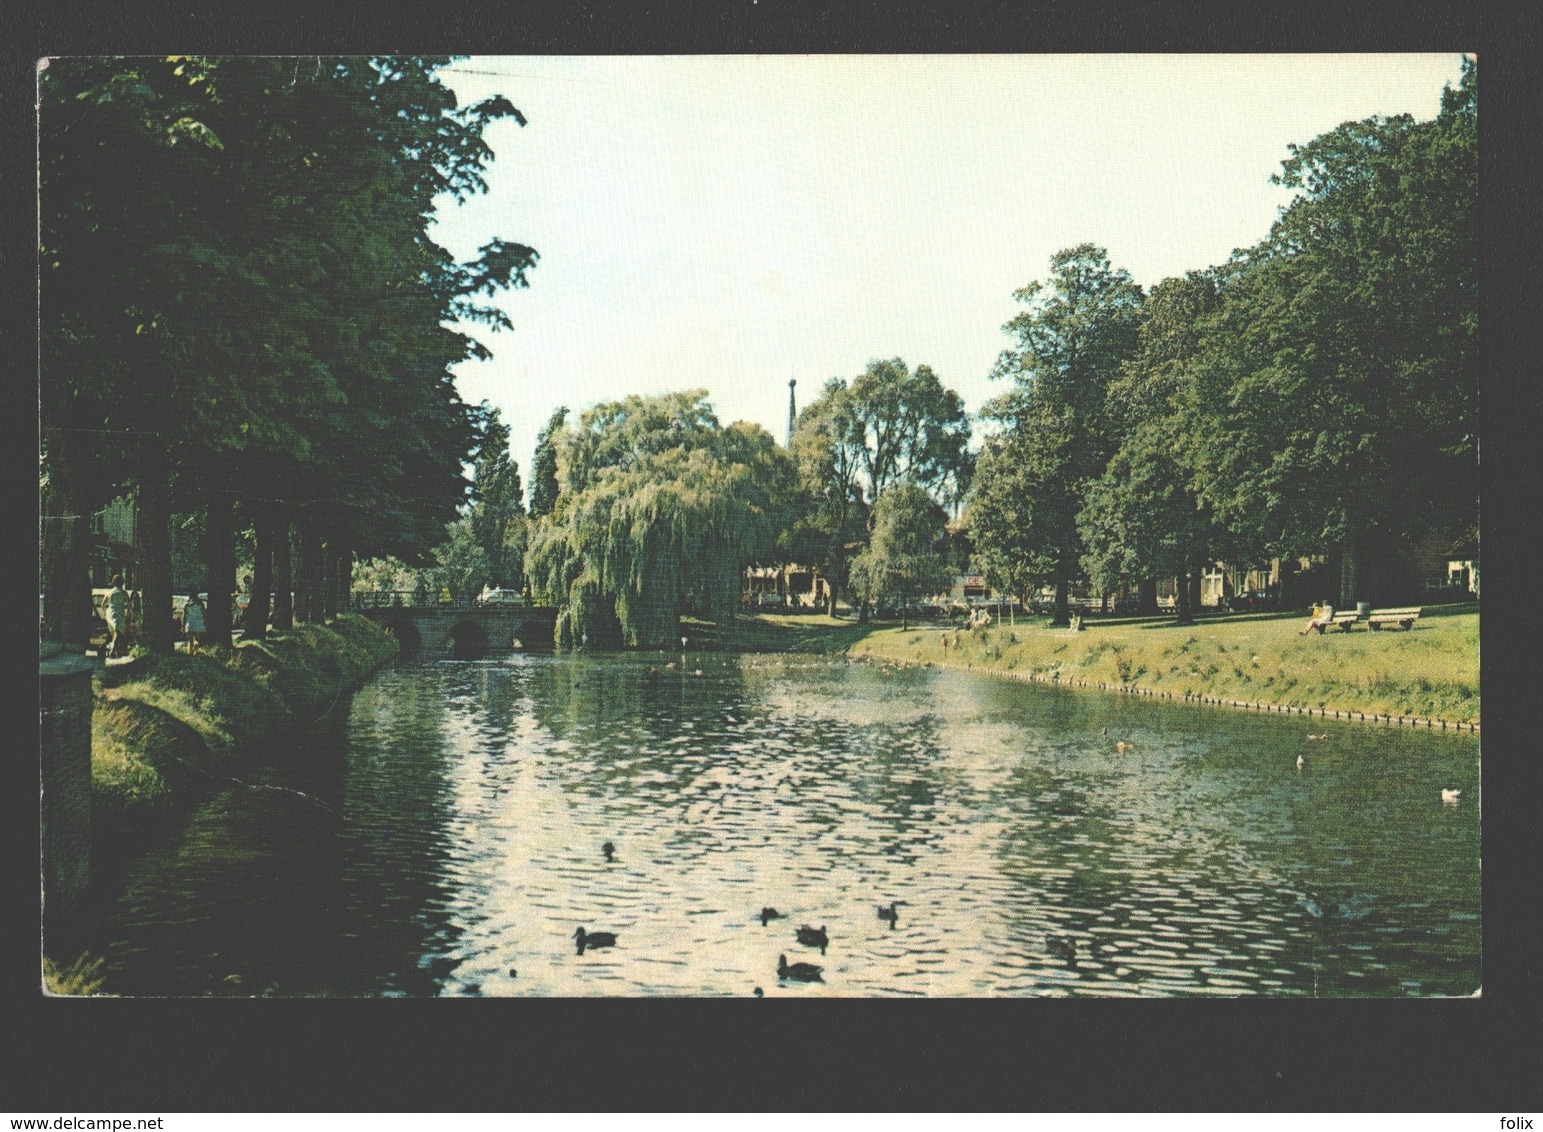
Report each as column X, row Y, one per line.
column 731, row 222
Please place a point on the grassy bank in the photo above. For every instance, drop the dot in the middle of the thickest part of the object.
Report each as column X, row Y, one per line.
column 162, row 726
column 778, row 632
column 1430, row 672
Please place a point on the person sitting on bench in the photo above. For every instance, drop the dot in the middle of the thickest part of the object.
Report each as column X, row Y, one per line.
column 1323, row 614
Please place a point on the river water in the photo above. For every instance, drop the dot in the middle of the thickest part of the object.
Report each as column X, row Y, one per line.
column 443, row 836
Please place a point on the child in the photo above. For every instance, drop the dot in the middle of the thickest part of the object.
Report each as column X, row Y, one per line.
column 193, row 622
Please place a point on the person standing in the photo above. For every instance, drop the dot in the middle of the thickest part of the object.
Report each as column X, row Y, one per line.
column 193, row 622
column 136, row 616
column 115, row 611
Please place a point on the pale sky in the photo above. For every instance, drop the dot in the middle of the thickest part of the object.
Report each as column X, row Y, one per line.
column 730, row 222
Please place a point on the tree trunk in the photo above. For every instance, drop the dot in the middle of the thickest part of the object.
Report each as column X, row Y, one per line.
column 220, row 561
column 1063, row 614
column 1147, row 602
column 1349, row 567
column 262, row 573
column 65, row 544
column 344, row 571
column 152, row 530
column 1182, row 591
column 283, row 578
column 308, row 575
column 328, row 586
column 1196, row 582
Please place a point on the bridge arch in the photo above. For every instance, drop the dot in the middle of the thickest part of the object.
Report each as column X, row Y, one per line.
column 405, row 630
column 467, row 637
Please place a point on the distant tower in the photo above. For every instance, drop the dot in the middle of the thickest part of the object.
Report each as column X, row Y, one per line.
column 792, row 381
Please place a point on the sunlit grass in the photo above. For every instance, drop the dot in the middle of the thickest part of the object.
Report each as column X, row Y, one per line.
column 82, row 977
column 1431, row 671
column 172, row 721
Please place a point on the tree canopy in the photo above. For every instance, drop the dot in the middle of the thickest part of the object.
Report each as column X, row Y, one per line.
column 905, row 558
column 1077, row 333
column 659, row 510
column 238, row 289
column 887, row 426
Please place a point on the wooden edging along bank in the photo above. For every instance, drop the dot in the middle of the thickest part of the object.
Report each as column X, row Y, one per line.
column 1211, row 701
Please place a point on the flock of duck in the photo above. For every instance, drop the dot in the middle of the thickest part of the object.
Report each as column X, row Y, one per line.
column 1061, row 947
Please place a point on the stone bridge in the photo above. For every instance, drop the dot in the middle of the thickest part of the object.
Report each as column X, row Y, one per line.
column 467, row 630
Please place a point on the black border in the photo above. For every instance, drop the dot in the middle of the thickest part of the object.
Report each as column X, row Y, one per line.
column 163, row 1056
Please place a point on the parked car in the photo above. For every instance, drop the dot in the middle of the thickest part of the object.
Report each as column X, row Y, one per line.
column 501, row 597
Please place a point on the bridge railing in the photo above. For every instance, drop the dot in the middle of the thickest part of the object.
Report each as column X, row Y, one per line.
column 408, row 599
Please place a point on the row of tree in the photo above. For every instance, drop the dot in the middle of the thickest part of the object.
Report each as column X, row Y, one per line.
column 243, row 317
column 1313, row 397
column 1317, row 395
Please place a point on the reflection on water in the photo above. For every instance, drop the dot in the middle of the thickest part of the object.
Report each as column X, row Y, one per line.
column 446, row 839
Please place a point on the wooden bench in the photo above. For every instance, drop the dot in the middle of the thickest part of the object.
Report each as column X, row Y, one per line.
column 1404, row 617
column 1343, row 621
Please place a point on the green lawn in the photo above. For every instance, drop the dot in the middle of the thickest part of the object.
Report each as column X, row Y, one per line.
column 1429, row 672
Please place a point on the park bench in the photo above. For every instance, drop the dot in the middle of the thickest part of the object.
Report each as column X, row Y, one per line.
column 1404, row 617
column 1342, row 621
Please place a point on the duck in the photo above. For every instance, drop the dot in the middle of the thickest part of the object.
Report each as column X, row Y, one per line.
column 1062, row 947
column 1317, row 738
column 1450, row 797
column 813, row 937
column 804, row 972
column 1353, row 907
column 758, row 992
column 1301, row 762
column 889, row 914
column 770, row 914
column 1122, row 745
column 594, row 939
column 609, row 850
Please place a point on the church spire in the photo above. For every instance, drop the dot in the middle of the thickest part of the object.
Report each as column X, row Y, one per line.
column 792, row 381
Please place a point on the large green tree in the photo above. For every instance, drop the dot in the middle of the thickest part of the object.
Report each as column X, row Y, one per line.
column 1072, row 341
column 240, row 303
column 1343, row 386
column 659, row 510
column 543, row 465
column 906, row 555
column 886, row 426
column 498, row 510
column 1143, row 517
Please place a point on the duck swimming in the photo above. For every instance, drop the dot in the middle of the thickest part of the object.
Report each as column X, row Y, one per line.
column 1062, row 947
column 594, row 939
column 889, row 914
column 609, row 850
column 770, row 914
column 803, row 972
column 813, row 937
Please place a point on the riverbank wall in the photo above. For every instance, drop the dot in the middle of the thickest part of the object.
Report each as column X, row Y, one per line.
column 165, row 728
column 1427, row 677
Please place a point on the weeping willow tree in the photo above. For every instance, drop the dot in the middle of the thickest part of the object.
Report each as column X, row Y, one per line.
column 659, row 509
